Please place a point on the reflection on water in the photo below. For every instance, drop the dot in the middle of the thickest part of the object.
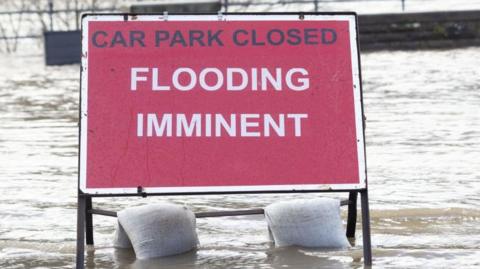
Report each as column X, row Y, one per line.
column 423, row 152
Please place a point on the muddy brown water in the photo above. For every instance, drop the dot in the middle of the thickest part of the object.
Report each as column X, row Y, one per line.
column 423, row 153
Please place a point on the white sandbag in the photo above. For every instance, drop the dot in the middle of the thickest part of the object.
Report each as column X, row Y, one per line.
column 120, row 239
column 159, row 230
column 307, row 223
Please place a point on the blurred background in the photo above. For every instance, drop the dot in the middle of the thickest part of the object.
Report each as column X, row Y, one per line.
column 421, row 82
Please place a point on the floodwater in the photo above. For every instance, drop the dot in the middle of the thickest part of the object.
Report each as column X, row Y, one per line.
column 423, row 153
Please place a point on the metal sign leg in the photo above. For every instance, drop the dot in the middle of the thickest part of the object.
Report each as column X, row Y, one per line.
column 352, row 214
column 367, row 246
column 81, row 207
column 89, row 221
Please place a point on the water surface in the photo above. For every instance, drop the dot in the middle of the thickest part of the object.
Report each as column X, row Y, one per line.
column 423, row 154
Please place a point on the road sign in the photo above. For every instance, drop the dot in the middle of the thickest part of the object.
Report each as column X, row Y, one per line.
column 220, row 103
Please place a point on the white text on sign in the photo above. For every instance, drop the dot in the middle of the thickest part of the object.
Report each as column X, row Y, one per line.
column 217, row 125
column 236, row 79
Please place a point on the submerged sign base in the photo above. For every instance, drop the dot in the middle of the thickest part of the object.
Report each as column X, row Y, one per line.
column 220, row 104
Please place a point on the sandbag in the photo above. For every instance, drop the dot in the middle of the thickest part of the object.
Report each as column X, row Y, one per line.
column 120, row 239
column 159, row 230
column 307, row 223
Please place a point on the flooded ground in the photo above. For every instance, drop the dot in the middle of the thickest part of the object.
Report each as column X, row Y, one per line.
column 423, row 153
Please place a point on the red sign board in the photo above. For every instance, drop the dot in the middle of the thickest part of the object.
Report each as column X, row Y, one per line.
column 208, row 103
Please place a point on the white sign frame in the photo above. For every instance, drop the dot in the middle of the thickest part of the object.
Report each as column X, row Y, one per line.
column 351, row 18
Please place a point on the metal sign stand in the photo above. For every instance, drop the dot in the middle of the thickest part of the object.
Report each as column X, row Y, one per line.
column 85, row 212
